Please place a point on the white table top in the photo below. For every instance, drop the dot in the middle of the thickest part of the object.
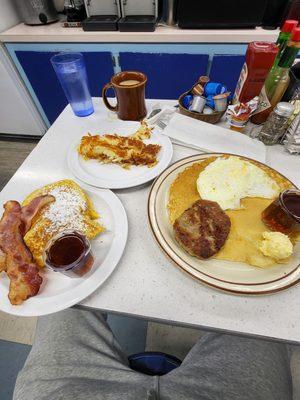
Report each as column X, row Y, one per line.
column 163, row 34
column 145, row 283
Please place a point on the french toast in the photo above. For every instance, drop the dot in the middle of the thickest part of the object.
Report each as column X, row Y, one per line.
column 72, row 209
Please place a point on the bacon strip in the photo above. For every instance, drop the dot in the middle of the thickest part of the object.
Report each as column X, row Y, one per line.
column 32, row 209
column 15, row 258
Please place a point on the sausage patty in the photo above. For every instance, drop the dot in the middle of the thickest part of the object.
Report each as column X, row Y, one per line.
column 202, row 229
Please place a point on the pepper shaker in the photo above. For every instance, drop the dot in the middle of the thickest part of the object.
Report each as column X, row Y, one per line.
column 275, row 126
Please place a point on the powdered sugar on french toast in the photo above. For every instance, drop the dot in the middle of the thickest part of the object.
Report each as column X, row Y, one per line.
column 66, row 210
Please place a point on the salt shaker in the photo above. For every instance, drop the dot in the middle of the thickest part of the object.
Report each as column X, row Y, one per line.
column 292, row 139
column 275, row 126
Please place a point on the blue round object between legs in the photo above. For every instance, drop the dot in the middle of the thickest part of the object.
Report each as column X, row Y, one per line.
column 153, row 363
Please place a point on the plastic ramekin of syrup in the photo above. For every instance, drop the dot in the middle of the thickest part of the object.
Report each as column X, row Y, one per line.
column 70, row 253
column 283, row 214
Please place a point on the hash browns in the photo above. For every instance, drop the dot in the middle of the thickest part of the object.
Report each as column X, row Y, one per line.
column 122, row 150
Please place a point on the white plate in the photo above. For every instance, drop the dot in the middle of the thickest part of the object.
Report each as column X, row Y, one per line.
column 113, row 176
column 59, row 291
column 234, row 277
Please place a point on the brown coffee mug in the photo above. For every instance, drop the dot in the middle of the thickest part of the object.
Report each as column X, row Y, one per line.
column 129, row 87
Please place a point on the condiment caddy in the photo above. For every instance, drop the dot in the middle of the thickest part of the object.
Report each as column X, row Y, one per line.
column 206, row 101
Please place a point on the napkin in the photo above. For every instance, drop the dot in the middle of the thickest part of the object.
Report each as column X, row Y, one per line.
column 212, row 138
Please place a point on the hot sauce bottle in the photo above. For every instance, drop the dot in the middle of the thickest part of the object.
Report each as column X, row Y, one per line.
column 277, row 80
column 283, row 37
column 260, row 57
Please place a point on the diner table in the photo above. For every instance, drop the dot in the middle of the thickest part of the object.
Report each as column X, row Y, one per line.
column 146, row 283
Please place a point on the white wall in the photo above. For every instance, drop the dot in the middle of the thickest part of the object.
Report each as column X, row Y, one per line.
column 8, row 14
column 18, row 114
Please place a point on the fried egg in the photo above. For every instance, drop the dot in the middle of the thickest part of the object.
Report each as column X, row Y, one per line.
column 228, row 180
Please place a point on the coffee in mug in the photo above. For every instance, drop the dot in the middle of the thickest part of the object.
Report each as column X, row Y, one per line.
column 129, row 82
column 129, row 87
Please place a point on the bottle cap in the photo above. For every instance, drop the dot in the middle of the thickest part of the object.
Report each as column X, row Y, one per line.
column 263, row 47
column 289, row 25
column 296, row 35
column 284, row 109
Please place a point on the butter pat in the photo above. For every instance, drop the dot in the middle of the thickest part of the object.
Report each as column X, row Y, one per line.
column 276, row 245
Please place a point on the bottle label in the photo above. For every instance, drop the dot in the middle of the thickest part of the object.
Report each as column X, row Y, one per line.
column 240, row 83
column 294, row 128
column 263, row 102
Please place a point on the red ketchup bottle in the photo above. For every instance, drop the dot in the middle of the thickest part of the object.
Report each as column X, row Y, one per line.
column 260, row 57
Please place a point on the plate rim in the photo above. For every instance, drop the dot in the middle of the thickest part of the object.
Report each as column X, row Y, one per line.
column 203, row 273
column 168, row 149
column 195, row 274
column 120, row 236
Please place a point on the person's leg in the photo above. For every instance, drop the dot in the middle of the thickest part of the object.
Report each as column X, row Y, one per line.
column 75, row 357
column 225, row 367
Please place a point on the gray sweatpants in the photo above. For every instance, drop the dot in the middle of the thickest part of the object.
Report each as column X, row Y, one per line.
column 75, row 357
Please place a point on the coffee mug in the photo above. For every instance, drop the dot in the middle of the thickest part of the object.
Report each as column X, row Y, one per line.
column 129, row 87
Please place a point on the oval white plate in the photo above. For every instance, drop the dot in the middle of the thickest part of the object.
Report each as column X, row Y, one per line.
column 59, row 291
column 230, row 276
column 113, row 176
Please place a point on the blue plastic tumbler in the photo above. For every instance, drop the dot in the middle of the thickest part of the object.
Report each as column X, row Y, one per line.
column 71, row 73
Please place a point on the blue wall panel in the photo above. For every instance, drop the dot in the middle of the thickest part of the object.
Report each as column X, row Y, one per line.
column 226, row 69
column 169, row 75
column 42, row 77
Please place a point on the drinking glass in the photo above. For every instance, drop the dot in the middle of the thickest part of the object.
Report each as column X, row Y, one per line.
column 71, row 73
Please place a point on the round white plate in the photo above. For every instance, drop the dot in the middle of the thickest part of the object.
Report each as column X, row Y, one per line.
column 112, row 176
column 234, row 277
column 59, row 291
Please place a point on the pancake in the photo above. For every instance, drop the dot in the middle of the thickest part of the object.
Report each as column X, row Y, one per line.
column 246, row 225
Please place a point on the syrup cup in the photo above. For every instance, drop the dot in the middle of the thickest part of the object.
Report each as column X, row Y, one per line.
column 78, row 267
